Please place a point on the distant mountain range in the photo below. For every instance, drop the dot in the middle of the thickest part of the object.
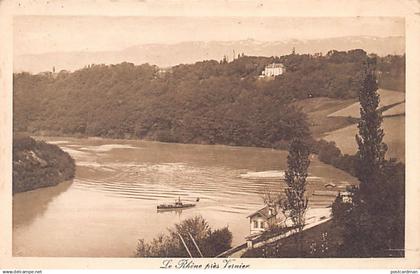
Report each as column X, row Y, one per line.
column 165, row 55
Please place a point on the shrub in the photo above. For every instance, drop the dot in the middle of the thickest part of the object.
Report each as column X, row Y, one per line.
column 210, row 242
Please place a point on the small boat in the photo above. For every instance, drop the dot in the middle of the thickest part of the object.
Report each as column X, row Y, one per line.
column 177, row 205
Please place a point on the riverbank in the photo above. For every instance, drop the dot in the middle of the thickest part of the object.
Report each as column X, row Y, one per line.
column 37, row 164
column 41, row 134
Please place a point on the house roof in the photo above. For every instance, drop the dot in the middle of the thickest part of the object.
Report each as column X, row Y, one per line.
column 275, row 65
column 263, row 212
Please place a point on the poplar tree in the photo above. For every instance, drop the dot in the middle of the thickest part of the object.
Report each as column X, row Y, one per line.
column 295, row 202
column 373, row 223
column 372, row 149
column 377, row 195
column 369, row 225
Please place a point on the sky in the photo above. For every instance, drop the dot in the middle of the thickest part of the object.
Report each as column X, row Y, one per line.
column 42, row 34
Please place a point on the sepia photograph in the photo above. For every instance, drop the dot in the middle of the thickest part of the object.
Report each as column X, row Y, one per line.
column 225, row 137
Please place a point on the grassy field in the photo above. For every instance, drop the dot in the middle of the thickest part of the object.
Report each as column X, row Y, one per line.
column 336, row 120
column 318, row 110
column 394, row 128
column 387, row 97
column 396, row 110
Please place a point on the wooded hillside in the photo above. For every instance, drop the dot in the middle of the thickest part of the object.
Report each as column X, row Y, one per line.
column 206, row 102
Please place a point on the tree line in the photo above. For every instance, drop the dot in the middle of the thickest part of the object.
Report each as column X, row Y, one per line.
column 208, row 102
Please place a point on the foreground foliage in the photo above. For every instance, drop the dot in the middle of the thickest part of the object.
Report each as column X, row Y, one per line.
column 210, row 242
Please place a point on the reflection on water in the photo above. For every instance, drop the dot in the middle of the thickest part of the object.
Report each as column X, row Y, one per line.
column 112, row 200
column 32, row 204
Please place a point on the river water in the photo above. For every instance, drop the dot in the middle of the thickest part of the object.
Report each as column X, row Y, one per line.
column 112, row 201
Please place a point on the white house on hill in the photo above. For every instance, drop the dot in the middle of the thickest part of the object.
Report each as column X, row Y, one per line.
column 273, row 70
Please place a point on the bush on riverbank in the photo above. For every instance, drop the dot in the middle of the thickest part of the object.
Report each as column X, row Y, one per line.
column 210, row 242
column 37, row 164
column 330, row 154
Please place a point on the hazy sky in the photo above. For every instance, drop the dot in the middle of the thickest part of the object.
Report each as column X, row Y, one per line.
column 40, row 34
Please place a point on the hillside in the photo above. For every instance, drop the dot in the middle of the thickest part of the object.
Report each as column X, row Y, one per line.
column 394, row 129
column 189, row 52
column 336, row 120
column 327, row 114
column 37, row 164
column 318, row 112
column 387, row 98
column 208, row 102
column 393, row 110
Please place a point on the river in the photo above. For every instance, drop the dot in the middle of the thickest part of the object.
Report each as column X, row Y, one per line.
column 111, row 203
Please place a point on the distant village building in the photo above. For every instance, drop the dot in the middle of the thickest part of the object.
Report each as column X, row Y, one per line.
column 51, row 73
column 273, row 70
column 45, row 73
column 161, row 72
column 165, row 70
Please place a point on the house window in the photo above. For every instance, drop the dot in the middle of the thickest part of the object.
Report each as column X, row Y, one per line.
column 255, row 224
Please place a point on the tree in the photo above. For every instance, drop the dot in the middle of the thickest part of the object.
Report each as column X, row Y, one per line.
column 372, row 149
column 295, row 203
column 365, row 234
column 209, row 242
column 373, row 223
column 218, row 240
